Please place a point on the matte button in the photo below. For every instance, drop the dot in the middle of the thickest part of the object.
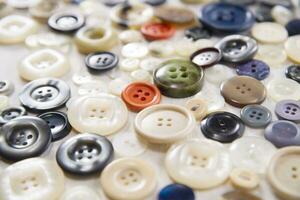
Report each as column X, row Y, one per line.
column 11, row 113
column 292, row 48
column 175, row 15
column 243, row 178
column 85, row 154
column 254, row 68
column 293, row 72
column 239, row 195
column 24, row 137
column 269, row 32
column 206, row 57
column 240, row 91
column 197, row 33
column 222, row 127
column 283, row 133
column 67, row 22
column 256, row 116
column 176, row 192
column 157, row 31
column 178, row 78
column 288, row 110
column 6, row 87
column 101, row 61
column 283, row 88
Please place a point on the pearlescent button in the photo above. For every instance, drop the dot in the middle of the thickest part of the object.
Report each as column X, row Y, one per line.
column 213, row 99
column 281, row 14
column 80, row 193
column 117, row 85
column 256, row 116
column 176, row 192
column 161, row 48
column 292, row 48
column 244, row 179
column 273, row 55
column 102, row 61
column 254, row 68
column 4, row 102
column 150, row 64
column 130, row 36
column 141, row 75
column 43, row 10
column 288, row 110
column 6, row 87
column 282, row 88
column 198, row 107
column 81, row 77
column 293, row 72
column 134, row 50
column 129, row 64
column 11, row 113
column 218, row 73
column 22, row 4
column 269, row 32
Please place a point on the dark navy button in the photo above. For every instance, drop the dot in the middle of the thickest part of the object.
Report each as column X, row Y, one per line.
column 196, row 33
column 176, row 192
column 262, row 13
column 58, row 123
column 11, row 113
column 222, row 126
column 66, row 21
column 254, row 68
column 293, row 27
column 154, row 2
column 256, row 116
column 24, row 137
column 293, row 72
column 226, row 17
column 288, row 110
column 101, row 61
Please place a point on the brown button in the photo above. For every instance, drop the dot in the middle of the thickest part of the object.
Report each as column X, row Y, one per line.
column 175, row 15
column 243, row 90
column 239, row 195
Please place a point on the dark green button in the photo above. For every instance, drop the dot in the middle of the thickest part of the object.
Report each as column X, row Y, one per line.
column 178, row 78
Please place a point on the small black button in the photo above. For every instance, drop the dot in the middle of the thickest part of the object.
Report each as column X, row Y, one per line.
column 293, row 72
column 197, row 33
column 11, row 113
column 101, row 61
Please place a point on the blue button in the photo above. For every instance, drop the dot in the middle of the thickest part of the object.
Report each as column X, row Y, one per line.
column 176, row 192
column 293, row 27
column 254, row 68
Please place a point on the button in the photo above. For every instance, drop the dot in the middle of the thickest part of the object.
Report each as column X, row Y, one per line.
column 291, row 48
column 32, row 178
column 226, row 17
column 43, row 10
column 140, row 95
column 164, row 123
column 5, row 9
column 130, row 36
column 288, row 110
column 175, row 15
column 141, row 75
column 269, row 32
column 117, row 86
column 283, row 133
column 22, row 4
column 66, row 22
column 292, row 27
column 15, row 29
column 58, row 123
column 178, row 78
column 81, row 77
column 198, row 107
column 80, row 192
column 273, row 55
column 113, row 3
column 84, row 154
column 6, row 87
column 272, row 3
column 254, row 68
column 206, row 57
column 161, row 48
column 218, row 73
column 134, row 50
column 240, row 2
column 253, row 153
column 263, row 13
column 197, row 33
column 283, row 172
column 42, row 64
column 129, row 64
column 102, row 114
column 24, row 137
column 44, row 94
column 157, row 31
column 281, row 14
column 247, row 91
column 128, row 178
column 238, row 195
column 154, row 2
column 237, row 48
column 101, row 61
column 222, row 127
column 4, row 102
column 176, row 192
column 256, row 116
column 213, row 99
column 293, row 72
column 244, row 179
column 198, row 163
column 150, row 64
column 92, row 88
column 11, row 113
column 282, row 88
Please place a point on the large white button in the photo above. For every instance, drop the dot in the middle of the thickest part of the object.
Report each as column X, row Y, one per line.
column 92, row 88
column 218, row 73
column 80, row 193
column 161, row 48
column 128, row 179
column 213, row 99
column 244, row 179
column 134, row 50
column 269, row 32
column 32, row 179
column 283, row 88
column 164, row 123
column 129, row 64
column 43, row 63
column 273, row 55
column 292, row 48
column 130, row 36
column 252, row 153
column 198, row 163
column 103, row 114
column 281, row 14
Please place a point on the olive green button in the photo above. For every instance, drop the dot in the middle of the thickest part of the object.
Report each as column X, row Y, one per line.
column 178, row 78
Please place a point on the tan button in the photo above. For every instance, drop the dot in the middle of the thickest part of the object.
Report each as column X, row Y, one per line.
column 239, row 195
column 243, row 90
column 175, row 15
column 198, row 107
column 243, row 178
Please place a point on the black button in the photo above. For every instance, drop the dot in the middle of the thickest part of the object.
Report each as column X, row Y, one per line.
column 66, row 21
column 24, row 137
column 11, row 113
column 222, row 127
column 85, row 154
column 58, row 123
column 154, row 2
column 293, row 72
column 293, row 27
column 101, row 61
column 197, row 33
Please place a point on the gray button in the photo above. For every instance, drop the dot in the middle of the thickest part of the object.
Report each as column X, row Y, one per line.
column 11, row 113
column 288, row 110
column 256, row 116
column 6, row 87
column 66, row 21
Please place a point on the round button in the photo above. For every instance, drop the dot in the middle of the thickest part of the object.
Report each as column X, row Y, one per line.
column 113, row 3
column 80, row 192
column 117, row 86
column 283, row 133
column 43, row 10
column 213, row 99
column 129, row 64
column 130, row 36
column 4, row 102
column 58, row 123
column 6, row 87
column 176, row 192
column 128, row 178
column 244, row 179
column 81, row 77
column 154, row 2
column 272, row 3
column 293, row 72
column 269, row 32
column 226, row 17
column 150, row 64
column 240, row 2
column 238, row 195
column 256, row 116
column 178, row 78
column 44, row 94
column 218, row 73
column 273, row 55
column 22, row 4
column 67, row 22
column 175, row 15
column 134, row 50
column 288, row 110
column 254, row 68
column 31, row 179
column 198, row 107
column 292, row 27
column 164, row 123
column 93, row 87
column 206, row 57
column 282, row 15
column 141, row 75
column 161, row 48
column 283, row 172
column 291, row 47
column 140, row 95
column 157, row 31
column 240, row 91
column 24, row 137
column 197, row 33
column 11, row 113
column 222, row 126
column 102, row 114
column 198, row 163
column 84, row 154
column 101, row 61
column 282, row 88
column 262, row 13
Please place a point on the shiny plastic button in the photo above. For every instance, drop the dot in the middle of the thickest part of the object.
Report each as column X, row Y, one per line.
column 218, row 73
column 244, row 179
column 256, row 116
column 206, row 57
column 268, row 32
column 101, row 61
column 292, row 27
column 80, row 192
column 291, row 47
column 175, row 15
column 176, row 192
column 273, row 55
column 213, row 99
column 157, row 31
column 288, row 110
column 134, row 50
column 130, row 36
column 11, row 113
column 254, row 68
column 281, row 14
column 197, row 32
column 6, row 87
column 293, row 72
column 198, row 107
column 154, row 2
column 93, row 87
column 67, row 22
column 282, row 88
column 129, row 64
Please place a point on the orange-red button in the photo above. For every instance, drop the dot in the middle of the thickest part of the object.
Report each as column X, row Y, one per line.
column 140, row 95
column 157, row 31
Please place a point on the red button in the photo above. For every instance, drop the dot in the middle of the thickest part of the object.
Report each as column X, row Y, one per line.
column 157, row 31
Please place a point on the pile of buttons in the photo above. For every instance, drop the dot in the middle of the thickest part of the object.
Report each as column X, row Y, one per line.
column 150, row 99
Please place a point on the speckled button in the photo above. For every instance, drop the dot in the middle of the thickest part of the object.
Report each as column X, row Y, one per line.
column 254, row 68
column 6, row 87
column 288, row 110
column 11, row 113
column 175, row 14
column 269, row 32
column 206, row 57
column 293, row 72
column 176, row 192
column 101, row 61
column 256, row 116
column 67, row 22
column 283, row 88
column 292, row 47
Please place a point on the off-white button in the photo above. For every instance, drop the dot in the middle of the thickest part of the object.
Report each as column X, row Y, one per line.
column 186, row 47
column 281, row 14
column 273, row 55
column 198, row 163
column 92, row 88
column 4, row 101
column 198, row 107
column 134, row 50
column 128, row 179
column 292, row 48
column 213, row 99
column 22, row 4
column 269, row 32
column 141, row 75
column 32, row 179
column 150, row 64
column 161, row 49
column 81, row 77
column 283, row 88
column 43, row 63
column 80, row 193
column 116, row 86
column 218, row 73
column 129, row 64
column 130, row 36
column 244, row 179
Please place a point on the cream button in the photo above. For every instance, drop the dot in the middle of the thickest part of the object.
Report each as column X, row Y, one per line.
column 103, row 114
column 244, row 179
column 164, row 123
column 198, row 163
column 15, row 29
column 218, row 73
column 251, row 153
column 117, row 85
column 198, row 107
column 282, row 88
column 4, row 101
column 128, row 179
column 92, row 88
column 81, row 77
column 134, row 50
column 80, row 193
column 141, row 75
column 269, row 32
column 150, row 64
column 273, row 55
column 184, row 47
column 43, row 63
column 22, row 4
column 129, row 64
column 281, row 14
column 213, row 99
column 292, row 47
column 32, row 179
column 130, row 36
column 161, row 48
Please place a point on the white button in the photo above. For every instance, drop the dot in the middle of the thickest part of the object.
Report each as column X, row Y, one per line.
column 6, row 87
column 4, row 101
column 292, row 48
column 15, row 29
column 22, row 3
column 198, row 163
column 32, row 179
column 218, row 73
column 43, row 10
column 128, row 179
column 129, row 64
column 198, row 107
column 141, row 75
column 92, row 88
column 81, row 77
column 134, row 50
column 43, row 63
column 281, row 14
column 269, row 32
column 283, row 88
column 130, row 36
column 284, row 173
column 213, row 99
column 116, row 86
column 186, row 47
column 164, row 123
column 103, row 114
column 80, row 193
column 150, row 64
column 252, row 153
column 161, row 48
column 244, row 179
column 273, row 55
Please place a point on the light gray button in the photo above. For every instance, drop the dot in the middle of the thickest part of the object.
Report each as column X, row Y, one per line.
column 256, row 116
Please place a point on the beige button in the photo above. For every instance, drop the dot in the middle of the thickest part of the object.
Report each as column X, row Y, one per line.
column 198, row 107
column 269, row 32
column 273, row 55
column 283, row 88
column 243, row 178
column 130, row 36
column 239, row 195
column 243, row 90
column 174, row 14
column 292, row 48
column 161, row 48
column 43, row 10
